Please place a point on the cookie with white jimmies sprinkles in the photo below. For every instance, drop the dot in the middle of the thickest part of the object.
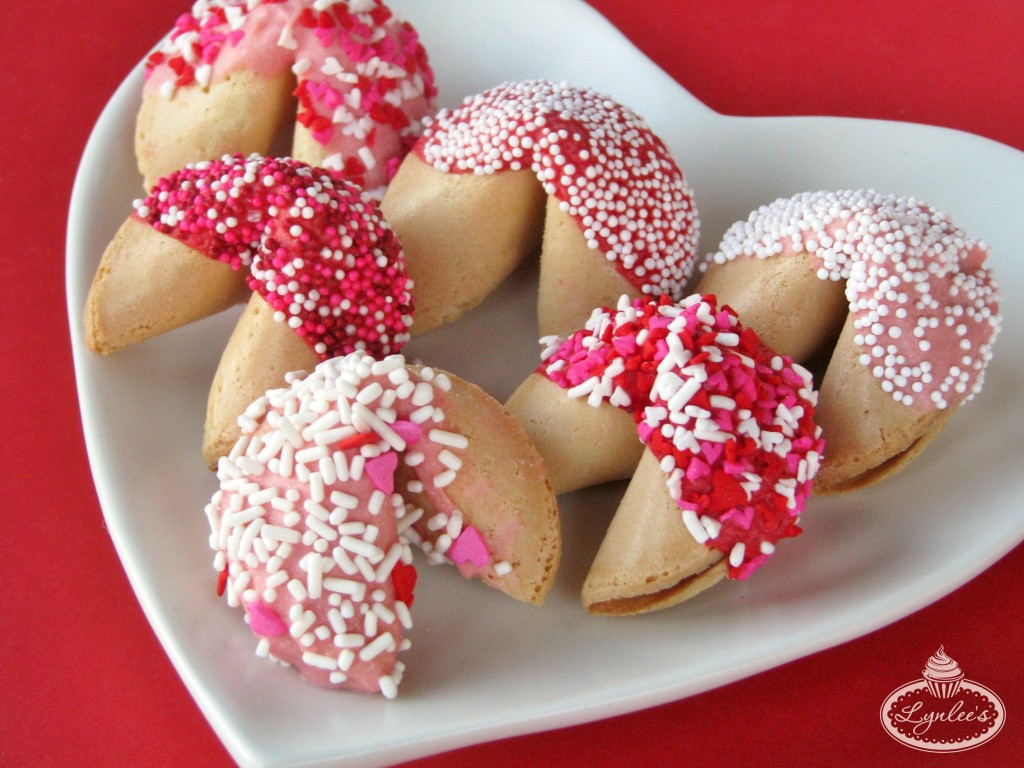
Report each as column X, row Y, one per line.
column 909, row 295
column 337, row 475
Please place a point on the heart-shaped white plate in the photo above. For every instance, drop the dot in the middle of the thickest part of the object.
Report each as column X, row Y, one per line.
column 482, row 667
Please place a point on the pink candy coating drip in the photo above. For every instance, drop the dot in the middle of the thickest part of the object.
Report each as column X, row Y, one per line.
column 730, row 421
column 611, row 174
column 318, row 251
column 364, row 83
column 925, row 306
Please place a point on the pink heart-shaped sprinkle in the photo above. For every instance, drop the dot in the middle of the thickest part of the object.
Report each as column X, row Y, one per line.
column 325, row 35
column 624, row 345
column 738, row 467
column 381, row 471
column 263, row 621
column 748, row 567
column 210, row 51
column 724, row 421
column 409, row 431
column 323, row 137
column 792, row 463
column 717, row 382
column 470, row 548
column 316, row 88
column 744, row 517
column 697, row 470
column 392, row 167
column 711, row 451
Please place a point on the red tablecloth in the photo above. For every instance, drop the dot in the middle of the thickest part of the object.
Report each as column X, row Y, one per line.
column 84, row 681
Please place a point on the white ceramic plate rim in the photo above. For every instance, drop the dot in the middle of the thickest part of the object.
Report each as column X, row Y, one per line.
column 513, row 673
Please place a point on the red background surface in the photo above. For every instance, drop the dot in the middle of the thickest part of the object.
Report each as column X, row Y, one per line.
column 84, row 681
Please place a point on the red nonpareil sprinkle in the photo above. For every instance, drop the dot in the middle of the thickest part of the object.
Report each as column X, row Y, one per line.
column 730, row 421
column 318, row 251
column 610, row 173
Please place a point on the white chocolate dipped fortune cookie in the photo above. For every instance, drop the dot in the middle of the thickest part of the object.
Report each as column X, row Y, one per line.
column 336, row 475
column 890, row 293
column 728, row 445
column 538, row 165
column 232, row 73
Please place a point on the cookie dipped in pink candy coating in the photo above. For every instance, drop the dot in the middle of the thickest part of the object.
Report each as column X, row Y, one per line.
column 550, row 166
column 907, row 292
column 334, row 476
column 728, row 444
column 233, row 72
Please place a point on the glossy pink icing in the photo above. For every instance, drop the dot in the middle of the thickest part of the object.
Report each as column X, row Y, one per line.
column 364, row 84
column 925, row 305
column 730, row 421
column 610, row 173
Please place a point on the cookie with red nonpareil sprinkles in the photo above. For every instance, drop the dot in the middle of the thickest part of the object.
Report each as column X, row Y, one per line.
column 728, row 443
column 909, row 295
column 231, row 73
column 620, row 216
column 311, row 245
column 327, row 273
column 333, row 478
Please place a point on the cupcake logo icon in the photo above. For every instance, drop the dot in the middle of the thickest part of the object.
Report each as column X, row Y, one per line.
column 942, row 711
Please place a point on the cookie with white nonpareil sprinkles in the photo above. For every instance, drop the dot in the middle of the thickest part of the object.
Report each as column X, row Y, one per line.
column 723, row 428
column 353, row 75
column 620, row 216
column 333, row 478
column 909, row 295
